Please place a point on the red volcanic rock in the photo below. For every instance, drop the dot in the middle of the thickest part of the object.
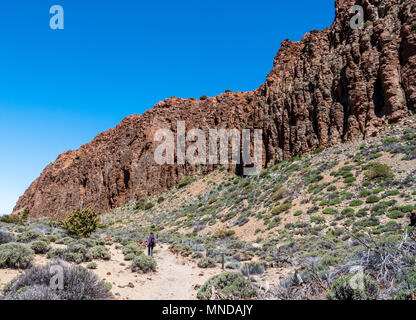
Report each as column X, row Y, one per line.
column 334, row 85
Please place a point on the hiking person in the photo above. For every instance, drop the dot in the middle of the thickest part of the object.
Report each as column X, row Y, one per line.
column 151, row 242
column 413, row 218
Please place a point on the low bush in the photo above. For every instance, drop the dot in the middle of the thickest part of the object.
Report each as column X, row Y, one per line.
column 19, row 218
column 81, row 222
column 79, row 251
column 344, row 288
column 6, row 237
column 129, row 256
column 99, row 252
column 253, row 268
column 78, row 284
column 279, row 194
column 148, row 206
column 280, row 209
column 39, row 246
column 329, row 211
column 16, row 255
column 391, row 193
column 185, row 181
column 349, row 179
column 221, row 234
column 378, row 170
column 28, row 236
column 132, row 248
column 318, row 219
column 395, row 214
column 228, row 284
column 356, row 203
column 298, row 213
column 365, row 193
column 372, row 199
column 143, row 263
column 349, row 212
column 206, row 263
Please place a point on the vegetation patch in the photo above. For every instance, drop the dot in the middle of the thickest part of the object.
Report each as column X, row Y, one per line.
column 35, row 284
column 81, row 222
column 346, row 288
column 16, row 255
column 228, row 284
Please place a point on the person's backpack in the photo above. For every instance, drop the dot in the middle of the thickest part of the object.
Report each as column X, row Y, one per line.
column 152, row 241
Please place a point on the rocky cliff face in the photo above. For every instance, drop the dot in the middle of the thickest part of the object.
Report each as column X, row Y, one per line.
column 334, row 85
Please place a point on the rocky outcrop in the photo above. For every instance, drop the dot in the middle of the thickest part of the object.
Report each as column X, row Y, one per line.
column 336, row 84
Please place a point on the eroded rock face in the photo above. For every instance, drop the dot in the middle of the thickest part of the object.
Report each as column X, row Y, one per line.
column 334, row 85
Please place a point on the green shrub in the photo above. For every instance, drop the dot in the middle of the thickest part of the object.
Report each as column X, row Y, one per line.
column 356, row 203
column 395, row 214
column 344, row 288
column 28, row 236
column 405, row 209
column 408, row 286
column 318, row 219
column 92, row 265
column 196, row 255
column 99, row 252
column 229, row 284
column 335, row 201
column 206, row 263
column 279, row 194
column 365, row 193
column 77, row 251
column 130, row 256
column 203, row 97
column 318, row 150
column 349, row 212
column 282, row 208
column 253, row 268
column 39, row 246
column 349, row 179
column 160, row 199
column 132, row 248
column 297, row 213
column 390, row 140
column 81, row 222
column 378, row 170
column 378, row 190
column 143, row 263
column 391, row 193
column 16, row 255
column 185, row 181
column 329, row 211
column 17, row 218
column 362, row 212
column 79, row 284
column 148, row 206
column 221, row 234
column 372, row 199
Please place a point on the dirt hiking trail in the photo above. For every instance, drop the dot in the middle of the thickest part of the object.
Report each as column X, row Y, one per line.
column 176, row 277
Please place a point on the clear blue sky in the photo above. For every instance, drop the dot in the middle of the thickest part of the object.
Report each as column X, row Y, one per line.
column 60, row 88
